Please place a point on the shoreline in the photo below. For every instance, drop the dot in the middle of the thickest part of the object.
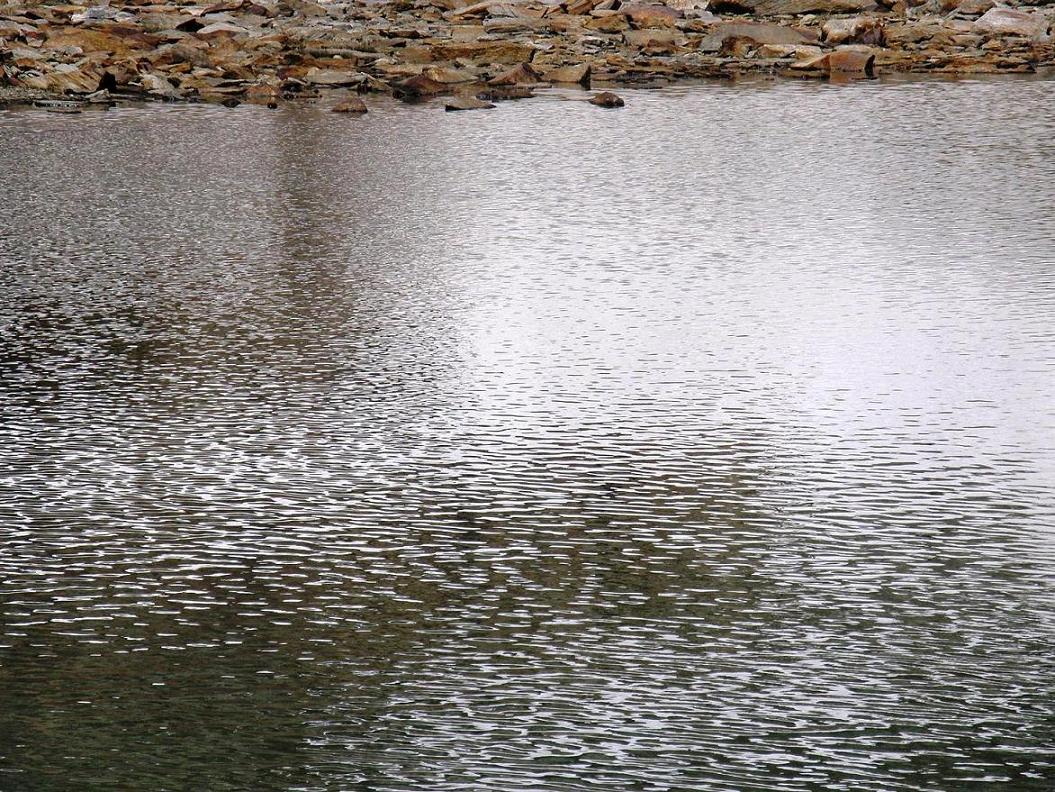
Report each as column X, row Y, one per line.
column 237, row 51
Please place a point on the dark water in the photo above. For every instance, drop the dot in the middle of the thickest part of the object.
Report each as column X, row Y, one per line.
column 704, row 445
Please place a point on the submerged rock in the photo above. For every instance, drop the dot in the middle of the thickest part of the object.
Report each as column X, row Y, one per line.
column 350, row 104
column 467, row 103
column 607, row 99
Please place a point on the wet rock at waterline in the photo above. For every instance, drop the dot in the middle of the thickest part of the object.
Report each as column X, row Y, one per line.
column 350, row 104
column 467, row 103
column 607, row 99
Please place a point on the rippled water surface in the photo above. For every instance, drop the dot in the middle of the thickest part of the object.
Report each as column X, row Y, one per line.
column 702, row 445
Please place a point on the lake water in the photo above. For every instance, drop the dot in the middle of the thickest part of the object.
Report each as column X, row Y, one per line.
column 707, row 444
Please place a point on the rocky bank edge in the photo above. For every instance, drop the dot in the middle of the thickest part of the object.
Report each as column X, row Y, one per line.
column 268, row 52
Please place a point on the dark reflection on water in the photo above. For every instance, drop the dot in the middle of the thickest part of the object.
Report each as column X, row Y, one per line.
column 706, row 445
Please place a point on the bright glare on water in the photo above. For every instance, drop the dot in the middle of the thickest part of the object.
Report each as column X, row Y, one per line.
column 704, row 445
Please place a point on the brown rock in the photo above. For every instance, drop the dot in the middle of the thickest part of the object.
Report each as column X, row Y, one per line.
column 350, row 104
column 855, row 30
column 846, row 60
column 447, row 75
column 501, row 52
column 1013, row 22
column 580, row 6
column 759, row 32
column 652, row 37
column 974, row 7
column 156, row 85
column 418, row 87
column 521, row 74
column 791, row 7
column 606, row 99
column 569, row 74
column 609, row 23
column 502, row 93
column 649, row 16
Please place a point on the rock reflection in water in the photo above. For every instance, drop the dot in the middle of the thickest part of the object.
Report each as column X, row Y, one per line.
column 346, row 457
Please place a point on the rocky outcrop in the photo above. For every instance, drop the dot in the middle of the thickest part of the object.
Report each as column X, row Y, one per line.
column 272, row 51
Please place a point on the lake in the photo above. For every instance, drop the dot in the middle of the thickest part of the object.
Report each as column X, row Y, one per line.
column 706, row 444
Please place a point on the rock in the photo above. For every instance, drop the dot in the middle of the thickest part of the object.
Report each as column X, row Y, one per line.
column 1012, row 22
column 467, row 103
column 652, row 37
column 649, row 16
column 759, row 32
column 447, row 75
column 332, row 77
column 847, row 60
column 418, row 87
column 521, row 74
column 609, row 23
column 502, row 93
column 797, row 51
column 791, row 7
column 500, row 52
column 974, row 7
column 220, row 29
column 606, row 99
column 856, row 30
column 350, row 104
column 580, row 6
column 569, row 74
column 156, row 85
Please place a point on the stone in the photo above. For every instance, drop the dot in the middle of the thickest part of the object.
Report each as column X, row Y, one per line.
column 521, row 74
column 467, row 103
column 759, row 32
column 1013, row 22
column 221, row 29
column 500, row 52
column 502, row 93
column 609, row 23
column 606, row 99
column 156, row 85
column 350, row 104
column 797, row 51
column 857, row 30
column 851, row 60
column 974, row 7
column 579, row 7
column 652, row 37
column 332, row 77
column 448, row 75
column 791, row 7
column 649, row 16
column 418, row 87
column 569, row 74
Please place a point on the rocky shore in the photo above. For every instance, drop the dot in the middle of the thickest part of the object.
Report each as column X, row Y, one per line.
column 273, row 51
